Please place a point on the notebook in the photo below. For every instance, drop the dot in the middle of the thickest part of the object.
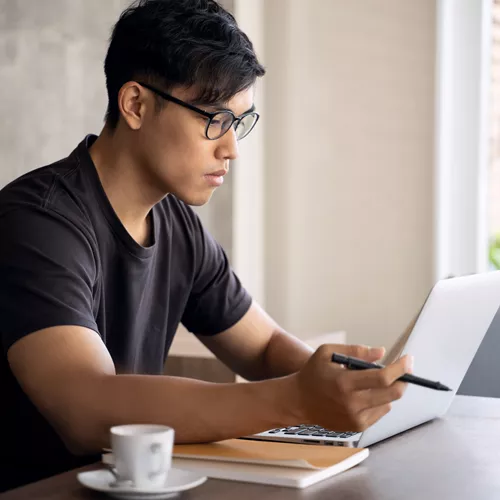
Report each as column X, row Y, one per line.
column 280, row 464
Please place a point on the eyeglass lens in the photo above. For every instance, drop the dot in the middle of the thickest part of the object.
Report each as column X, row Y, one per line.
column 223, row 121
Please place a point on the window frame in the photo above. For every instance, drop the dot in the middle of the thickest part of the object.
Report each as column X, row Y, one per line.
column 463, row 79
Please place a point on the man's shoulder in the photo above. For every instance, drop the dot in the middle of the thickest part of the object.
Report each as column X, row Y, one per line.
column 36, row 187
column 55, row 189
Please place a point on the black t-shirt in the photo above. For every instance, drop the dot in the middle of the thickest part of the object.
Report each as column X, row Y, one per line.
column 66, row 259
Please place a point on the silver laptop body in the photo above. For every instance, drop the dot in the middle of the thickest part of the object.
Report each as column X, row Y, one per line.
column 443, row 341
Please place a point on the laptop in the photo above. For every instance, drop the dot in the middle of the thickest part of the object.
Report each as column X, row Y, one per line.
column 483, row 376
column 444, row 340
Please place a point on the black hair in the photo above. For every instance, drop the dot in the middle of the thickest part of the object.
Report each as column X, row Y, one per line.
column 191, row 43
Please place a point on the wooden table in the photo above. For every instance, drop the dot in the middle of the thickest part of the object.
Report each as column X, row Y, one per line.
column 457, row 457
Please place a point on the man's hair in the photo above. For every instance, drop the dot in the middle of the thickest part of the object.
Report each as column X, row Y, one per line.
column 189, row 43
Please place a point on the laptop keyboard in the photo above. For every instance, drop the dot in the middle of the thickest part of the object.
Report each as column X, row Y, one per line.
column 310, row 430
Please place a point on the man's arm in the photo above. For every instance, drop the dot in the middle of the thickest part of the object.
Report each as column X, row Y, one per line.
column 69, row 375
column 257, row 348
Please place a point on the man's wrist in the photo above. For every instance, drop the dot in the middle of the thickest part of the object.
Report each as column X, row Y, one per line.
column 284, row 398
column 285, row 355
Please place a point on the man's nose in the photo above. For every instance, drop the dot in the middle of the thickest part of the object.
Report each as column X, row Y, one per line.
column 227, row 148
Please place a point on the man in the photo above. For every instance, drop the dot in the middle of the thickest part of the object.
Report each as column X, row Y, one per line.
column 101, row 257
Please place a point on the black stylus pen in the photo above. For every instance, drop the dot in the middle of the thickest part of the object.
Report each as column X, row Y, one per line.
column 359, row 364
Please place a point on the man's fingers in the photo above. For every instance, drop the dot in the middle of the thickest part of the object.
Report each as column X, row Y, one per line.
column 366, row 353
column 374, row 354
column 372, row 398
column 381, row 378
column 373, row 415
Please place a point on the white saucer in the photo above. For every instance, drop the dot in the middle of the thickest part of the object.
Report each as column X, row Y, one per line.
column 177, row 480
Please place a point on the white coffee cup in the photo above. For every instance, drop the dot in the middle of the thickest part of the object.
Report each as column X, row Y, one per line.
column 142, row 454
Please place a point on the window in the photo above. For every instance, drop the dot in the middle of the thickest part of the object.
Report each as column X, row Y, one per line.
column 464, row 136
column 494, row 161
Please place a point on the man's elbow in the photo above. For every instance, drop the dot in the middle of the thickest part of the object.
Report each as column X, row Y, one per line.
column 82, row 422
column 82, row 434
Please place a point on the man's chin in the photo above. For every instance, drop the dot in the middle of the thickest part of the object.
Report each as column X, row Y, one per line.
column 196, row 199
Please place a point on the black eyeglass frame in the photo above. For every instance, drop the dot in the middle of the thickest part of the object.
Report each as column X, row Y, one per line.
column 206, row 114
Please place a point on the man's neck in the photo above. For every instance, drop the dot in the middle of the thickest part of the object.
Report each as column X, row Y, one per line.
column 128, row 192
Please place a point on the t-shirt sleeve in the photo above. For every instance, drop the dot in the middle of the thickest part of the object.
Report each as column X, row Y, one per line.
column 47, row 272
column 217, row 300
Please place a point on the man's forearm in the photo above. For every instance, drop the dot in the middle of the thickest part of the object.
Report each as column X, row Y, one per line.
column 285, row 354
column 198, row 411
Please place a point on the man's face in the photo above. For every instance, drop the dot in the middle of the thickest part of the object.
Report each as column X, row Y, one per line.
column 177, row 154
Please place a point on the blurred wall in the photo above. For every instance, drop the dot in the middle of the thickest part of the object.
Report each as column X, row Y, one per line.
column 51, row 69
column 349, row 174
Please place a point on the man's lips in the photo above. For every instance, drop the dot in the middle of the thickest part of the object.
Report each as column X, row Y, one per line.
column 218, row 173
column 216, row 178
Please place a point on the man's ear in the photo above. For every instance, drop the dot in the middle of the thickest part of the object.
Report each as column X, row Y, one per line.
column 133, row 103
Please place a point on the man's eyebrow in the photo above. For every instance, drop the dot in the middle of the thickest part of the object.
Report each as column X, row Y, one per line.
column 250, row 109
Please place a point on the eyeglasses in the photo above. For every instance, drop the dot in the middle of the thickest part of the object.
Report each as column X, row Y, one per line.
column 218, row 123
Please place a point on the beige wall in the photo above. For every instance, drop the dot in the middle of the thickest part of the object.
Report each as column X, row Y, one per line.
column 349, row 162
column 51, row 69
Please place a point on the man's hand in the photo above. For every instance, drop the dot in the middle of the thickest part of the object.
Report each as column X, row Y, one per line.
column 348, row 400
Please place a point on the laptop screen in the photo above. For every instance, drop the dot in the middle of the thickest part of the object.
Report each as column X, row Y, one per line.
column 483, row 376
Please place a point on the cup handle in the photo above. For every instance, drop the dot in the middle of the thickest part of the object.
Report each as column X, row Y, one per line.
column 118, row 481
column 156, row 450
